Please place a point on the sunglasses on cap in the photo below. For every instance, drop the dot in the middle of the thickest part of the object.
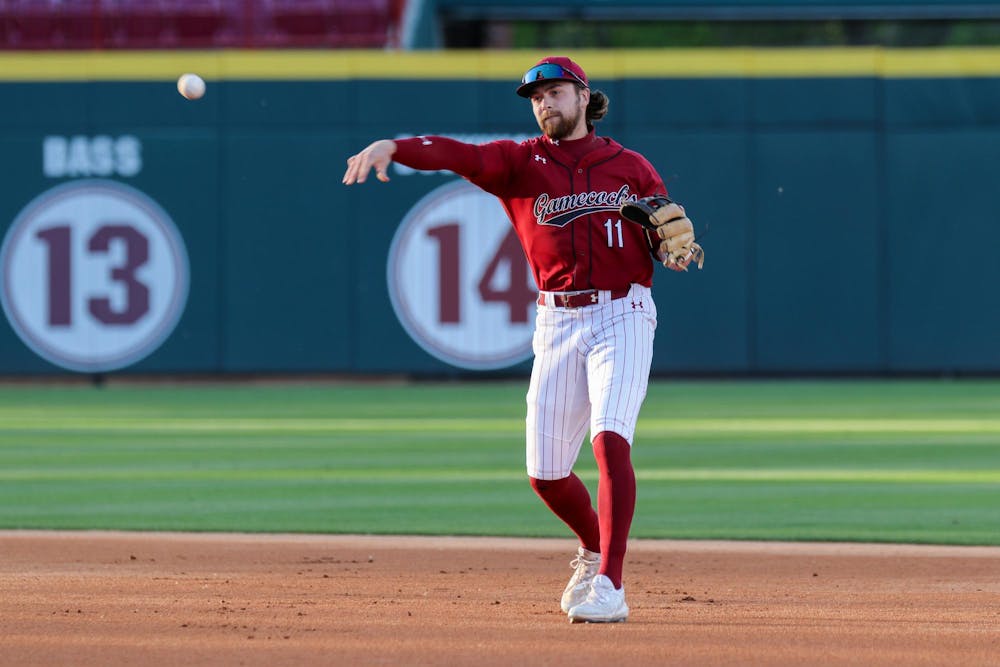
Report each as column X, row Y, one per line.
column 550, row 71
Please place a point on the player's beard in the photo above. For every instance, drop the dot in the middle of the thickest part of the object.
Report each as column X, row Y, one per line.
column 559, row 126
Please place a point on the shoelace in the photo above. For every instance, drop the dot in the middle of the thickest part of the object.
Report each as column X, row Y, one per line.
column 582, row 565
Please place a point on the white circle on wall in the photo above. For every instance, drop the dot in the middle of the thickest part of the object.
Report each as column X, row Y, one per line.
column 459, row 281
column 93, row 275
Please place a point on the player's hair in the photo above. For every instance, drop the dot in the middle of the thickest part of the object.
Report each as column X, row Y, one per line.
column 597, row 108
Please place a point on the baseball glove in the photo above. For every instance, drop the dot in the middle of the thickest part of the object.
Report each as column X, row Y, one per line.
column 676, row 233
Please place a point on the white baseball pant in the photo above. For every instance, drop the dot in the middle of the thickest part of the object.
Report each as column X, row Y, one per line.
column 591, row 369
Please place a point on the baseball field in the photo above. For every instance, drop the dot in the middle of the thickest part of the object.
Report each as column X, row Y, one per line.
column 747, row 495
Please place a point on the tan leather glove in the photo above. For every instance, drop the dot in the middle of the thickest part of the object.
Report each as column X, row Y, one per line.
column 667, row 218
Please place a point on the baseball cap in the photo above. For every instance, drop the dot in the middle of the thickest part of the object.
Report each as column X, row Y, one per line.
column 553, row 68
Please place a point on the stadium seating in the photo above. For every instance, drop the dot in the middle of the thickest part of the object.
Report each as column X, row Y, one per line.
column 342, row 23
column 170, row 24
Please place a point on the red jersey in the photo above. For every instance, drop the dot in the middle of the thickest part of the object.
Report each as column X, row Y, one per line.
column 565, row 211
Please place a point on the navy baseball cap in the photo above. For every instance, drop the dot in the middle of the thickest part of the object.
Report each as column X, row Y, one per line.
column 553, row 68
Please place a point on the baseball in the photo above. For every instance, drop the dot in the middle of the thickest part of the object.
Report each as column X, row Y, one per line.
column 191, row 86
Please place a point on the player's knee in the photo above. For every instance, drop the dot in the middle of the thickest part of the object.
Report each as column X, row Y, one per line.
column 540, row 486
column 609, row 440
column 543, row 486
column 612, row 451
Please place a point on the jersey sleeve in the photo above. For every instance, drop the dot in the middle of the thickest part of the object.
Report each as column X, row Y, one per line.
column 485, row 165
column 650, row 181
column 432, row 153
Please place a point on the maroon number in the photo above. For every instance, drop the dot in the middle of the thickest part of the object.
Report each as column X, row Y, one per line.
column 60, row 274
column 57, row 239
column 137, row 294
column 449, row 273
column 519, row 295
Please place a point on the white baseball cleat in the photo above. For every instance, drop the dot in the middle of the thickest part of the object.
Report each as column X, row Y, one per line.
column 604, row 604
column 585, row 567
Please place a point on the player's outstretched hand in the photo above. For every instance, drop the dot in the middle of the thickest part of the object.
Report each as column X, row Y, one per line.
column 376, row 156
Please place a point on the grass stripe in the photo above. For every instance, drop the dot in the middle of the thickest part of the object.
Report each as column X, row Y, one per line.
column 432, row 476
column 847, row 425
column 648, row 426
column 828, row 475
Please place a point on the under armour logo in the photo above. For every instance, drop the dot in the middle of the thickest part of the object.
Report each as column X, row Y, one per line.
column 636, row 305
column 593, row 297
column 539, row 158
column 425, row 141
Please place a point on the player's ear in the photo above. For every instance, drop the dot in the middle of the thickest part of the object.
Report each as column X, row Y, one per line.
column 584, row 95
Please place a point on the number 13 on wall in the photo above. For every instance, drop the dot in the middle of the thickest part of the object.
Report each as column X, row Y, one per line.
column 94, row 275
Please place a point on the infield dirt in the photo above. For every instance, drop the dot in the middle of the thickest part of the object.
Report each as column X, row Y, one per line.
column 99, row 598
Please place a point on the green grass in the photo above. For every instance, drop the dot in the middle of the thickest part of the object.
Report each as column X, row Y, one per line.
column 840, row 460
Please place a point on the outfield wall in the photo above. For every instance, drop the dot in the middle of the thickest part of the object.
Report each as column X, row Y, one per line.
column 849, row 197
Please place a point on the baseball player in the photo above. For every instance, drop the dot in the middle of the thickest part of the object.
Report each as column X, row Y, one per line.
column 564, row 192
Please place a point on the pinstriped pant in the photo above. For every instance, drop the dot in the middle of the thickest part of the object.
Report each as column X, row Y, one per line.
column 591, row 370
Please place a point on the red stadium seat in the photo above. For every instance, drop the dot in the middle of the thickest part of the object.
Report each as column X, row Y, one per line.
column 134, row 25
column 43, row 24
column 203, row 22
column 362, row 24
column 329, row 23
column 305, row 23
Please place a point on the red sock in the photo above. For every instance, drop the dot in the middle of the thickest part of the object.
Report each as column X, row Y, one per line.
column 569, row 500
column 615, row 501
